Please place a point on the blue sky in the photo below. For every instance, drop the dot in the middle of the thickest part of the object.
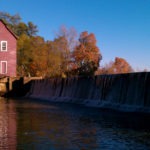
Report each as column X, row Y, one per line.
column 121, row 27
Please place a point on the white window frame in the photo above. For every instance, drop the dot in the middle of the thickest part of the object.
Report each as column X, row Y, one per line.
column 2, row 42
column 2, row 68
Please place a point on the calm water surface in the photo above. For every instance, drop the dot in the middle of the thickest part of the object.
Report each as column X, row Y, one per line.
column 35, row 125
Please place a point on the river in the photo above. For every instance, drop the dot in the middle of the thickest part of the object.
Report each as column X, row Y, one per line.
column 38, row 125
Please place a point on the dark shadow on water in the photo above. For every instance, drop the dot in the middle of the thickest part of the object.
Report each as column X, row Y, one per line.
column 117, row 119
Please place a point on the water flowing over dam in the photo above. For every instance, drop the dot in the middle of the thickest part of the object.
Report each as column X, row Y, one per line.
column 125, row 92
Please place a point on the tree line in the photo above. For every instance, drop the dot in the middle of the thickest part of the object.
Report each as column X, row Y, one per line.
column 67, row 55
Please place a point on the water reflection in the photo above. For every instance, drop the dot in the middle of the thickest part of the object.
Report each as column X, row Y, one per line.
column 8, row 125
column 33, row 125
column 53, row 128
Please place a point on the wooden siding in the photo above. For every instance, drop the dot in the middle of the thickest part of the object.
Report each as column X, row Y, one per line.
column 10, row 54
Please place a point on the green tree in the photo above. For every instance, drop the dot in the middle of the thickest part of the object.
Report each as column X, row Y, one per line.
column 18, row 27
column 24, row 55
column 32, row 29
column 38, row 57
column 54, row 60
column 10, row 19
column 60, row 47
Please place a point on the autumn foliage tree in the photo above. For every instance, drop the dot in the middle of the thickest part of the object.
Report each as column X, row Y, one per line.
column 86, row 55
column 36, row 57
column 119, row 65
column 65, row 43
column 64, row 56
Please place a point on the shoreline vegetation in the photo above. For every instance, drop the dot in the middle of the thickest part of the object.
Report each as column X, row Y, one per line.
column 67, row 55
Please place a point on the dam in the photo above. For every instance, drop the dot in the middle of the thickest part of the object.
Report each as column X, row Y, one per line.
column 123, row 92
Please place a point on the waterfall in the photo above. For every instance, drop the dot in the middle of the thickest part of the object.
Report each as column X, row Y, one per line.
column 126, row 92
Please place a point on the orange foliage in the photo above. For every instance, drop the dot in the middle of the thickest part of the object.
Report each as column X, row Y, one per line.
column 120, row 65
column 87, row 55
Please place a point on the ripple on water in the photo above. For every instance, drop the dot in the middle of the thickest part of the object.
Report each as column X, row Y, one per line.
column 37, row 125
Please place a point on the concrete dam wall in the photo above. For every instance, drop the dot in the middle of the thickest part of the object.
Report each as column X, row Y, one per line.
column 125, row 92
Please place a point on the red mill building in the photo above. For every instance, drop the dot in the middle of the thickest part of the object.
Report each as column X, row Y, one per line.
column 8, row 48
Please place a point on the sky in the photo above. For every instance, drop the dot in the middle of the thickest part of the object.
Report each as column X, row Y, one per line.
column 121, row 27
